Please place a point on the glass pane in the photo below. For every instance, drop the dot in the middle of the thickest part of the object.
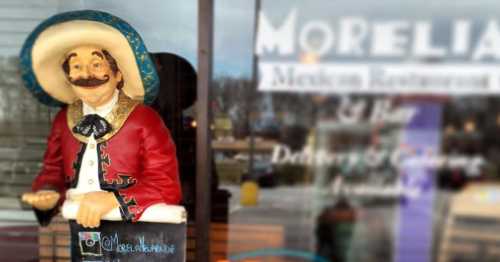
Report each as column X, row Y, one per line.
column 369, row 136
column 166, row 28
column 24, row 126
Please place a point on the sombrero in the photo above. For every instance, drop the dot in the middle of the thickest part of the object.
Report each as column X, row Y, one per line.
column 45, row 48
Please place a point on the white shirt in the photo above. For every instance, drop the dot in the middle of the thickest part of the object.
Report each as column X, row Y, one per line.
column 88, row 178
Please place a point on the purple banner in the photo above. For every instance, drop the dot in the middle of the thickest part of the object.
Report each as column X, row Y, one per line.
column 421, row 138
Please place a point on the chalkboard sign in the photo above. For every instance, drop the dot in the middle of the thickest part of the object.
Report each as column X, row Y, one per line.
column 118, row 241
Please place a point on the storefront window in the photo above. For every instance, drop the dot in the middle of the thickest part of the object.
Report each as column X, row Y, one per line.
column 169, row 32
column 370, row 134
column 341, row 130
column 24, row 126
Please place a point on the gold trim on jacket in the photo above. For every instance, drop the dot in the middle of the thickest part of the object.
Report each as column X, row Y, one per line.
column 117, row 117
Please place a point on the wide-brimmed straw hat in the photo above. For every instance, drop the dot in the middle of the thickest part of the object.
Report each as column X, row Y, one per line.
column 45, row 50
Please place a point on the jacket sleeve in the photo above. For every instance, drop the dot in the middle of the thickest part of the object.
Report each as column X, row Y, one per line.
column 159, row 180
column 51, row 176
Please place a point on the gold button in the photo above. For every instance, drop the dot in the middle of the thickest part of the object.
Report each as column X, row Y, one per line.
column 91, row 146
column 91, row 163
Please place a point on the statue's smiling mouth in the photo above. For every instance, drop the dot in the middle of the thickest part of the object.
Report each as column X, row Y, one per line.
column 90, row 83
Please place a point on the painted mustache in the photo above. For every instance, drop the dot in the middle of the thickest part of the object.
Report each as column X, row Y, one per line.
column 89, row 82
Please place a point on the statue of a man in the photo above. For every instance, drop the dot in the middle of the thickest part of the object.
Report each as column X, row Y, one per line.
column 106, row 151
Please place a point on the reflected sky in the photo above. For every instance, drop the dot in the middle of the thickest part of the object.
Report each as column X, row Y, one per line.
column 171, row 26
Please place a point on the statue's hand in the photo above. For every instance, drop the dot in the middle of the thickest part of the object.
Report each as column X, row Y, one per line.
column 42, row 200
column 93, row 206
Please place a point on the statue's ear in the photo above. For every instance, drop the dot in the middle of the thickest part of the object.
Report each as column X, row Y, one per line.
column 119, row 76
column 119, row 80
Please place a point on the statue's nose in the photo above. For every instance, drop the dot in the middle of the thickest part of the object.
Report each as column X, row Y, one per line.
column 84, row 74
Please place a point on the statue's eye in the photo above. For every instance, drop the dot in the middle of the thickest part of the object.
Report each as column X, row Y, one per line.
column 76, row 66
column 97, row 65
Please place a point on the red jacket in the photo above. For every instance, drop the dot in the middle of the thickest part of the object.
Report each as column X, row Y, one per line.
column 137, row 160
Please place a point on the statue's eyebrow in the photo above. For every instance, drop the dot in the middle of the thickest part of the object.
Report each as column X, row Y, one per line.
column 70, row 56
column 98, row 54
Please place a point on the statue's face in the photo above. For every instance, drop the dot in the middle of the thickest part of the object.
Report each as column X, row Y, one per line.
column 91, row 75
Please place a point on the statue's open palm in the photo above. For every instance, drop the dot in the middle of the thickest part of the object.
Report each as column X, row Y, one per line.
column 42, row 200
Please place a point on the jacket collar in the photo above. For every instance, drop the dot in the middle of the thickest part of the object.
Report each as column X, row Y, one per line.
column 119, row 113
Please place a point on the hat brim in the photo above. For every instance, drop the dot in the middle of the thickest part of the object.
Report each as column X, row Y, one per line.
column 46, row 48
